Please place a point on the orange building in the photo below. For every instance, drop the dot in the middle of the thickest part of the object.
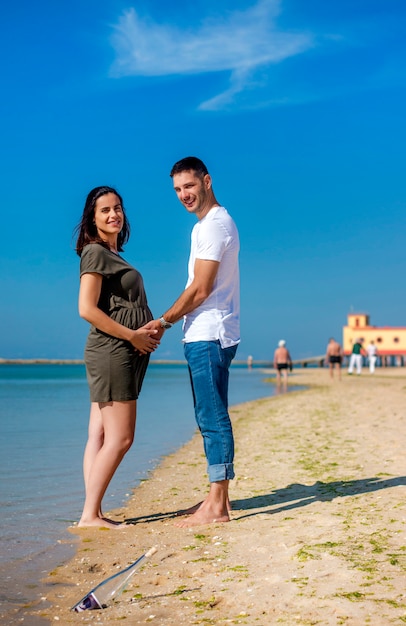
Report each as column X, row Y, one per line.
column 389, row 340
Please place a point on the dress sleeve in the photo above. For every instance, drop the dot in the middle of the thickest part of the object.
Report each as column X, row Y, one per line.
column 94, row 259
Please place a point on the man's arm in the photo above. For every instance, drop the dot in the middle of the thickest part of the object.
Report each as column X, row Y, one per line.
column 200, row 288
column 195, row 294
column 275, row 358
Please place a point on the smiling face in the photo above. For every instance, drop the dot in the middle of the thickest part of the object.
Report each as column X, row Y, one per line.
column 194, row 192
column 109, row 218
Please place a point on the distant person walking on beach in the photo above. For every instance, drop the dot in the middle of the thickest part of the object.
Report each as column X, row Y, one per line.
column 372, row 353
column 334, row 357
column 356, row 357
column 282, row 362
column 112, row 299
column 210, row 306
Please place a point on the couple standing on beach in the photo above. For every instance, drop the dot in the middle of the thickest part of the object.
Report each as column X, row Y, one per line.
column 123, row 334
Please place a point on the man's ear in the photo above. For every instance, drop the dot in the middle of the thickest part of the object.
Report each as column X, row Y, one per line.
column 207, row 181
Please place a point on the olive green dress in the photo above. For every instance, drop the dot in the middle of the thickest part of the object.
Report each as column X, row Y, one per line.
column 115, row 370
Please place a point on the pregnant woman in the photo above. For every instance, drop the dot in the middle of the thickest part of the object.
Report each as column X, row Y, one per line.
column 112, row 299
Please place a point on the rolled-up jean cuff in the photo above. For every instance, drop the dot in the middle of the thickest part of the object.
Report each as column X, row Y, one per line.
column 222, row 471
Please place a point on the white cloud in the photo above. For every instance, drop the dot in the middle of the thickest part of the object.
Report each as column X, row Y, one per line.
column 240, row 43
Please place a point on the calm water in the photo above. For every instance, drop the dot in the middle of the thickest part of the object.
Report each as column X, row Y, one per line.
column 43, row 428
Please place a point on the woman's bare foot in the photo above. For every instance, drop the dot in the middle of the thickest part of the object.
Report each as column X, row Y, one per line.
column 107, row 519
column 112, row 521
column 100, row 522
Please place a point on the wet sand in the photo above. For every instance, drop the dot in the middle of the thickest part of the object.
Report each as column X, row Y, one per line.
column 317, row 531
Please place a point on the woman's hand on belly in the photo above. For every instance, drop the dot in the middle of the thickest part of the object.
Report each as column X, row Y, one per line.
column 143, row 339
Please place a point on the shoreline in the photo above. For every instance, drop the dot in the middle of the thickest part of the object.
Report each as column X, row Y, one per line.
column 313, row 360
column 36, row 361
column 48, row 542
column 308, row 492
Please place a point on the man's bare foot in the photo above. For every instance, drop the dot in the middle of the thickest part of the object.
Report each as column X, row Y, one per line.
column 100, row 522
column 210, row 511
column 213, row 510
column 191, row 510
column 199, row 518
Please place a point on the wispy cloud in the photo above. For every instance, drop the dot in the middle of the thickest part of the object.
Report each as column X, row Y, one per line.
column 240, row 42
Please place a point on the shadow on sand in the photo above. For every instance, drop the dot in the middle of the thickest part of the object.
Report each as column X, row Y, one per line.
column 294, row 496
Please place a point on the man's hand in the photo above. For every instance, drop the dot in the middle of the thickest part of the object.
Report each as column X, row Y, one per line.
column 155, row 325
column 144, row 340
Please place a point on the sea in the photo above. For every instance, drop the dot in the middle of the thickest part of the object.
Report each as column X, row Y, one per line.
column 44, row 412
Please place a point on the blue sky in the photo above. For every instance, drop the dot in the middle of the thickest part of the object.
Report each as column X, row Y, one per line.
column 298, row 109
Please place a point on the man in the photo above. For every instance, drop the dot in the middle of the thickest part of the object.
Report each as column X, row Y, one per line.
column 282, row 362
column 334, row 357
column 356, row 357
column 210, row 307
column 372, row 356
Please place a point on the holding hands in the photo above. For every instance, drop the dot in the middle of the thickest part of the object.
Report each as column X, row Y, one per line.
column 148, row 337
column 145, row 339
column 155, row 327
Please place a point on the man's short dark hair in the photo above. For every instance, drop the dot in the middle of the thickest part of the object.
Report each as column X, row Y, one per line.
column 187, row 164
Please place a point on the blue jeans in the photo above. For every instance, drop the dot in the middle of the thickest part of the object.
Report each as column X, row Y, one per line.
column 209, row 365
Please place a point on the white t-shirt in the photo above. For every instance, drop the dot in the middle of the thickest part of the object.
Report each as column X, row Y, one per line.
column 215, row 238
column 371, row 349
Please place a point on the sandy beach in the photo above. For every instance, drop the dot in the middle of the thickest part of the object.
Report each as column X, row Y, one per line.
column 317, row 530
